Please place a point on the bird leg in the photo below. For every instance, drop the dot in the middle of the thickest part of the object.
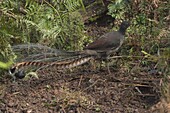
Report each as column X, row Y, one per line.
column 108, row 66
column 93, row 64
column 108, row 54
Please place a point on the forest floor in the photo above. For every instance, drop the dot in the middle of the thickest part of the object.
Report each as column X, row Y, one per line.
column 84, row 90
column 81, row 91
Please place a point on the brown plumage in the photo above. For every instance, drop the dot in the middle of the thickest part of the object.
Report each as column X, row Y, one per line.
column 109, row 41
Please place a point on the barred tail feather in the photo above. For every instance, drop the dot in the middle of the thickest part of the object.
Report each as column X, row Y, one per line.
column 65, row 64
column 15, row 69
column 69, row 63
column 73, row 63
column 23, row 64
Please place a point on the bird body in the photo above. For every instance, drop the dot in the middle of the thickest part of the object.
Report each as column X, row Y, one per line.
column 109, row 41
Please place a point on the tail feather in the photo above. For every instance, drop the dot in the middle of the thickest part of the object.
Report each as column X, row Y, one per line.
column 63, row 64
column 33, row 52
column 68, row 64
column 74, row 63
column 39, row 53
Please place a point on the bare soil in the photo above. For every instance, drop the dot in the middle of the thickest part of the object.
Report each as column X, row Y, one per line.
column 81, row 91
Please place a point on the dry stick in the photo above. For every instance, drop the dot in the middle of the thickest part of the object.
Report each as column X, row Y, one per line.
column 126, row 57
column 93, row 84
column 80, row 81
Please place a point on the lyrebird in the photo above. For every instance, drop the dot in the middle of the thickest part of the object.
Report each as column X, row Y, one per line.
column 43, row 56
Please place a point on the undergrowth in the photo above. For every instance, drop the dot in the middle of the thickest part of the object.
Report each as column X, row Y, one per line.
column 148, row 43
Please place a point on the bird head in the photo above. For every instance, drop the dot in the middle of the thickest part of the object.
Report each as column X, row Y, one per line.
column 124, row 25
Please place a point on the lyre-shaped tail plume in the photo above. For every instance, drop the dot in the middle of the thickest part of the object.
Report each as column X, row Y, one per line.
column 36, row 52
column 68, row 63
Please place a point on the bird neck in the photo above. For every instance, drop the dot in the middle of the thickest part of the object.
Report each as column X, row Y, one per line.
column 122, row 31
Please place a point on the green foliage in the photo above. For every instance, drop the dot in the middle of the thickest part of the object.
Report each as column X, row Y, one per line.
column 116, row 9
column 54, row 23
column 5, row 65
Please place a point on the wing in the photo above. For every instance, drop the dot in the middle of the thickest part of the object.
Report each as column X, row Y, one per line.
column 98, row 44
column 108, row 41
